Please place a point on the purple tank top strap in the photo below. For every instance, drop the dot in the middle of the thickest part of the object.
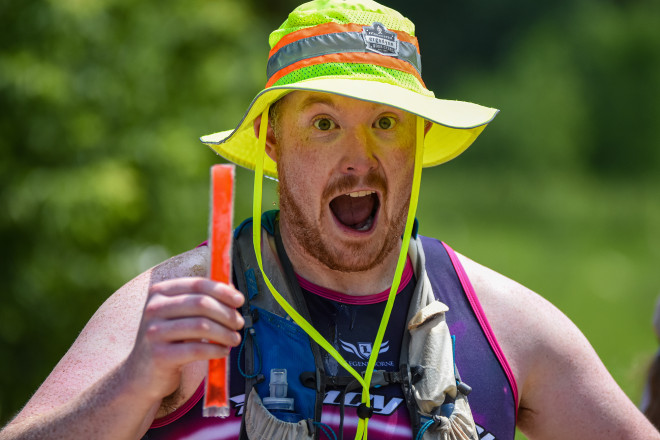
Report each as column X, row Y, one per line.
column 479, row 358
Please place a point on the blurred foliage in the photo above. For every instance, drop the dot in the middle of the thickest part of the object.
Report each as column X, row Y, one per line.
column 102, row 174
column 102, row 171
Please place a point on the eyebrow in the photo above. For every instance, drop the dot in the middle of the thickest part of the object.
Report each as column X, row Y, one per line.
column 311, row 100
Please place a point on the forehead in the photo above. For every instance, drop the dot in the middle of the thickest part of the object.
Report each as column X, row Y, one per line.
column 300, row 100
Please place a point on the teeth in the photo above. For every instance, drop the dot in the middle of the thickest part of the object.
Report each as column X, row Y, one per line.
column 360, row 193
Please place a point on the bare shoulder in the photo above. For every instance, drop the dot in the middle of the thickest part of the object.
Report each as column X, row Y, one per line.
column 194, row 263
column 520, row 318
column 108, row 337
column 564, row 389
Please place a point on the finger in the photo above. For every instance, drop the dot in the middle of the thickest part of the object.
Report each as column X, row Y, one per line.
column 191, row 351
column 224, row 293
column 191, row 305
column 186, row 330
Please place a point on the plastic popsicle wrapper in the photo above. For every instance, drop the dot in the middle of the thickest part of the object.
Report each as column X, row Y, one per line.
column 216, row 402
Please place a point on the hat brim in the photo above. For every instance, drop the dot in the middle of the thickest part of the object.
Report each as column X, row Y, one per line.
column 456, row 124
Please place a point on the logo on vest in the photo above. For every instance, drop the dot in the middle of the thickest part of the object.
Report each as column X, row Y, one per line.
column 382, row 405
column 484, row 434
column 377, row 38
column 363, row 349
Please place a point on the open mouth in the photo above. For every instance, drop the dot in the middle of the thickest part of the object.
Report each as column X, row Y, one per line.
column 356, row 210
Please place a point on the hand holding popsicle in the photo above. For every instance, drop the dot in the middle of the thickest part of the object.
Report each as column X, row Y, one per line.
column 182, row 315
column 179, row 316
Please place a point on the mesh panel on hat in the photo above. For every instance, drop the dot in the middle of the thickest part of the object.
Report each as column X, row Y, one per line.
column 368, row 72
column 343, row 12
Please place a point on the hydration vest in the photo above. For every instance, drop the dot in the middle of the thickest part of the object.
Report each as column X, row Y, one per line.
column 434, row 394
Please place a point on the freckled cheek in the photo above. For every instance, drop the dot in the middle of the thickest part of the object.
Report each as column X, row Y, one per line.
column 306, row 170
column 401, row 169
column 402, row 159
column 313, row 158
column 310, row 166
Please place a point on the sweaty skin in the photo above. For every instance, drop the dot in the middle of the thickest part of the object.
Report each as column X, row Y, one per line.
column 141, row 355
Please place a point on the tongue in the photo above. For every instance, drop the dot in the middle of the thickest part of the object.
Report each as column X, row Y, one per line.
column 353, row 211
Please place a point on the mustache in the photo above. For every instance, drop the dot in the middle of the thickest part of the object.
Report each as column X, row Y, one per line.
column 346, row 183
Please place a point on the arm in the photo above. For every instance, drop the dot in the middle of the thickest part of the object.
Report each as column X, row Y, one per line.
column 131, row 354
column 565, row 390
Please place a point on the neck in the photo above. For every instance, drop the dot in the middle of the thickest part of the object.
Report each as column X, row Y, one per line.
column 362, row 283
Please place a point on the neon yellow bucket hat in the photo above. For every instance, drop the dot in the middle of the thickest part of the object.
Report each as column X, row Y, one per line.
column 362, row 50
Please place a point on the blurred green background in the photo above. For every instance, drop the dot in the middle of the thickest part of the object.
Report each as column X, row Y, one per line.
column 102, row 174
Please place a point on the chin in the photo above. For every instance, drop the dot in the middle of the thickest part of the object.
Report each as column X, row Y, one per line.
column 353, row 252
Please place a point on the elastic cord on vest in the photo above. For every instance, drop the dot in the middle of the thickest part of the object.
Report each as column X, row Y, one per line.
column 297, row 318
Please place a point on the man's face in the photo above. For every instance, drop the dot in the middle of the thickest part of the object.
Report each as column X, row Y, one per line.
column 345, row 168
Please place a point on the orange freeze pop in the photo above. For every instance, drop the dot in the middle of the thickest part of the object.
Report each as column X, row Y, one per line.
column 216, row 402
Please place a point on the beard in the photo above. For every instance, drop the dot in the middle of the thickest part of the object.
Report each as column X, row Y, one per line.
column 341, row 255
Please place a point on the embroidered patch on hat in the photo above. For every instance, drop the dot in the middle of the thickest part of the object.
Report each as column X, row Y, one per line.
column 379, row 39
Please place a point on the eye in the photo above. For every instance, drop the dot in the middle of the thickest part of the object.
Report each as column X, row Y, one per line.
column 324, row 124
column 386, row 122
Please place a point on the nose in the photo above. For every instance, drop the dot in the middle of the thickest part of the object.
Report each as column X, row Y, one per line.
column 359, row 153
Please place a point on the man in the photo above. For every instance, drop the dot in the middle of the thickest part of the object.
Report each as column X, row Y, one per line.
column 350, row 126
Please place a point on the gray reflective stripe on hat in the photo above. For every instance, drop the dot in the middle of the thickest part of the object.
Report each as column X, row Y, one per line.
column 327, row 44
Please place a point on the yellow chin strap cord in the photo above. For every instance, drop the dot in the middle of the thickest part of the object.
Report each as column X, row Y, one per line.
column 297, row 318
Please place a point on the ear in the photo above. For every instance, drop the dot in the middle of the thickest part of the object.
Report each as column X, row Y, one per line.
column 427, row 126
column 271, row 142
